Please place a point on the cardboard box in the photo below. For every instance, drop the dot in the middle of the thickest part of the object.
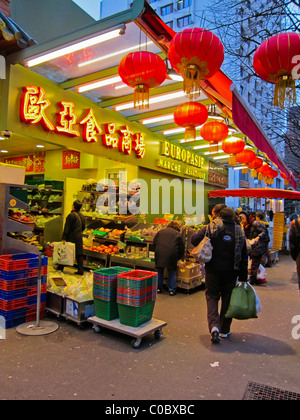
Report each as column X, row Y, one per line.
column 188, row 270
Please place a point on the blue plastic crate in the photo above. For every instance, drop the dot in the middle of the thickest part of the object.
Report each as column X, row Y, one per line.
column 14, row 294
column 16, row 313
column 32, row 300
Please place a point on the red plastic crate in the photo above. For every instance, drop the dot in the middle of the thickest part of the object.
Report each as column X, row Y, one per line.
column 18, row 261
column 32, row 291
column 9, row 305
column 9, row 286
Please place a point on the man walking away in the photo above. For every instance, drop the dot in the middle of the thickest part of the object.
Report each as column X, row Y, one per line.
column 294, row 244
column 229, row 262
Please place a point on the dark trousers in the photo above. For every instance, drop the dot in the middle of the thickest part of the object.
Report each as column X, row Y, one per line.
column 219, row 286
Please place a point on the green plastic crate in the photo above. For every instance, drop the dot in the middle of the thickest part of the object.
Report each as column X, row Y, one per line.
column 106, row 309
column 135, row 316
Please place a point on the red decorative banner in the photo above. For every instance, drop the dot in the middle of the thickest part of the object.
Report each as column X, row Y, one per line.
column 70, row 159
column 32, row 163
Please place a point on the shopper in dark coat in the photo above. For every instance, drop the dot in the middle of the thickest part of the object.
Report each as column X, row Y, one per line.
column 294, row 243
column 229, row 262
column 257, row 235
column 74, row 226
column 169, row 248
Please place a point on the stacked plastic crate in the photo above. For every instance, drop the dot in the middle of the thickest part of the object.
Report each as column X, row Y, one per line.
column 19, row 286
column 105, row 292
column 136, row 295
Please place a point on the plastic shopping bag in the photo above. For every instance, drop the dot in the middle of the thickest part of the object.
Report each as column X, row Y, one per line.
column 258, row 304
column 242, row 302
column 64, row 253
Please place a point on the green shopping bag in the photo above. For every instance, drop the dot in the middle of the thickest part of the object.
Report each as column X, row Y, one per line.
column 242, row 302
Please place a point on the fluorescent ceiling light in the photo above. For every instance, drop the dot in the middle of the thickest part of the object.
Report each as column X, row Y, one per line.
column 152, row 100
column 72, row 48
column 100, row 83
column 173, row 131
column 113, row 54
column 157, row 119
column 2, row 138
column 203, row 146
column 40, row 146
column 176, row 77
column 3, row 151
column 237, row 168
column 221, row 157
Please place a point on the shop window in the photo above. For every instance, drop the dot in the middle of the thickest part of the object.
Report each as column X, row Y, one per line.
column 184, row 21
column 166, row 10
column 170, row 24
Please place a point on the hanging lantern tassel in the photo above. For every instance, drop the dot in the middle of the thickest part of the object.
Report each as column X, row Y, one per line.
column 232, row 160
column 190, row 133
column 141, row 97
column 285, row 90
column 191, row 81
column 213, row 147
column 253, row 173
column 245, row 170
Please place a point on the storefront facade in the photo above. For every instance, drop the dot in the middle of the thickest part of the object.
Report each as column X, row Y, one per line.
column 90, row 142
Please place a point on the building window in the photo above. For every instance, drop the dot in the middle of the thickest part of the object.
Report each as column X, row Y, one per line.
column 181, row 4
column 184, row 21
column 166, row 10
column 170, row 24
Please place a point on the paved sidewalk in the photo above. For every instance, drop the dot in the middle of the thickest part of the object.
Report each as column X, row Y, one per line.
column 75, row 363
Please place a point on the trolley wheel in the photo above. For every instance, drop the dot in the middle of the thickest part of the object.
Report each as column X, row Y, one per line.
column 136, row 343
column 96, row 328
column 158, row 334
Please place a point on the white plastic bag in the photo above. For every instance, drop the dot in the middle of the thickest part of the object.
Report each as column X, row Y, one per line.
column 258, row 304
column 64, row 253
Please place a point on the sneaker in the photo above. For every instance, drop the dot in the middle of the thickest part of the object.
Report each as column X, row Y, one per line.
column 172, row 293
column 159, row 290
column 225, row 335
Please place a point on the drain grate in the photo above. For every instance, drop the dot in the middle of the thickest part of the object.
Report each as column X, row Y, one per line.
column 257, row 391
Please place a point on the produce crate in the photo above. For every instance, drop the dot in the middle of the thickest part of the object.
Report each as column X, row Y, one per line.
column 188, row 271
column 135, row 316
column 107, row 310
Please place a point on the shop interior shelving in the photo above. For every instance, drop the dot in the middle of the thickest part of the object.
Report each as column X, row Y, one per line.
column 13, row 196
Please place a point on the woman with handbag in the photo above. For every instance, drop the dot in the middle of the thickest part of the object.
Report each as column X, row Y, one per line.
column 229, row 261
column 74, row 226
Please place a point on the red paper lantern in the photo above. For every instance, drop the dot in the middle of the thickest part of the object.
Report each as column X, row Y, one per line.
column 142, row 70
column 190, row 115
column 195, row 54
column 254, row 165
column 273, row 63
column 245, row 157
column 233, row 146
column 214, row 132
column 284, row 176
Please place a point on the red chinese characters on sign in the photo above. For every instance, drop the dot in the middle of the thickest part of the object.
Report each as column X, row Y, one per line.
column 139, row 145
column 70, row 159
column 90, row 127
column 66, row 119
column 34, row 105
column 110, row 138
column 125, row 140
